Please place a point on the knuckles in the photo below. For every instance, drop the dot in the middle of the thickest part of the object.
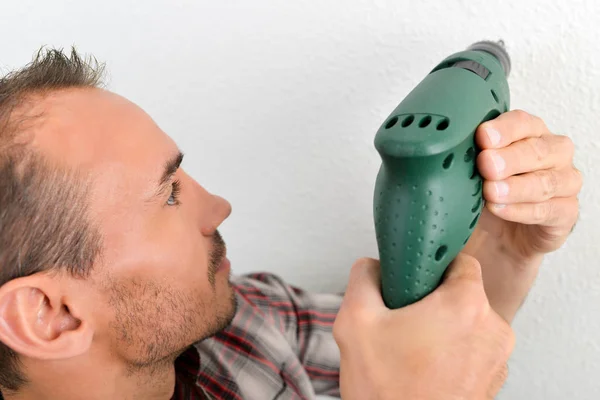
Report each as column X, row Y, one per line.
column 567, row 146
column 362, row 263
column 353, row 326
column 539, row 147
column 504, row 336
column 471, row 307
column 521, row 115
column 524, row 118
column 578, row 178
column 339, row 329
column 542, row 212
column 343, row 329
column 497, row 383
column 549, row 183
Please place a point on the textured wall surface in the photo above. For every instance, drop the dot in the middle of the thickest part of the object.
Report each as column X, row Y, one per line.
column 276, row 105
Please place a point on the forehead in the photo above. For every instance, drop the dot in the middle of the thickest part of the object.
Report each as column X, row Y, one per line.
column 114, row 145
column 95, row 130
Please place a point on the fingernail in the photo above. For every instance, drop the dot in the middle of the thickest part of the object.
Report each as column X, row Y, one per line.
column 494, row 136
column 501, row 189
column 499, row 205
column 499, row 162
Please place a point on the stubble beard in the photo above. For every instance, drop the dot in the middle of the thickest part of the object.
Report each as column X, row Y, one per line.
column 159, row 318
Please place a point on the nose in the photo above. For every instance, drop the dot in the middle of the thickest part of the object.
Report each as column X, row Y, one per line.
column 217, row 211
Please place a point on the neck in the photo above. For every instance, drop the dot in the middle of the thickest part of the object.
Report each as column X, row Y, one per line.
column 94, row 381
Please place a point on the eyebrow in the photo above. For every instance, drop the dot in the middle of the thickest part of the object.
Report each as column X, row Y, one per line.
column 171, row 166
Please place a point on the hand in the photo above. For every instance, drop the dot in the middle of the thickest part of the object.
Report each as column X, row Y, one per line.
column 530, row 185
column 449, row 345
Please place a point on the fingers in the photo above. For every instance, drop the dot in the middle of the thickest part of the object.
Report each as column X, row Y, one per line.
column 462, row 294
column 463, row 268
column 534, row 187
column 557, row 212
column 362, row 303
column 527, row 155
column 364, row 286
column 508, row 128
column 529, row 178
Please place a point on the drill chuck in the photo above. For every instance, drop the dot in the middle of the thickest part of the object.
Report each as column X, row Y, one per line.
column 496, row 49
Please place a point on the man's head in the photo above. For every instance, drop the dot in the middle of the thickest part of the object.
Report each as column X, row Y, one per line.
column 108, row 250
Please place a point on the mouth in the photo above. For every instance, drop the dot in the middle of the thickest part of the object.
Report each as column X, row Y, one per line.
column 224, row 265
column 220, row 253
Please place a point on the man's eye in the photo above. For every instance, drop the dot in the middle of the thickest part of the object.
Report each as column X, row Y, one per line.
column 174, row 197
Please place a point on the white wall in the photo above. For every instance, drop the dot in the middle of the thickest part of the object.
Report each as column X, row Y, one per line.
column 276, row 105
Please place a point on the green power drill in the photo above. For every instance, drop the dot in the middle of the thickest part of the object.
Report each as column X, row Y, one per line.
column 428, row 193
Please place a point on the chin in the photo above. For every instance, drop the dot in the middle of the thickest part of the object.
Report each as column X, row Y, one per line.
column 227, row 311
column 232, row 305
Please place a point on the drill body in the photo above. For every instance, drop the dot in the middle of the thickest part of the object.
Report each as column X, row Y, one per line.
column 428, row 193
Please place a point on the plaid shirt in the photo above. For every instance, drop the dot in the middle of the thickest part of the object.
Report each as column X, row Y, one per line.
column 279, row 346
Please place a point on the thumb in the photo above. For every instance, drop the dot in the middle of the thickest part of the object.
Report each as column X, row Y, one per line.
column 364, row 285
column 463, row 268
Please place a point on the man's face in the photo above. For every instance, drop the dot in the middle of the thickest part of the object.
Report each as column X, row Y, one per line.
column 158, row 287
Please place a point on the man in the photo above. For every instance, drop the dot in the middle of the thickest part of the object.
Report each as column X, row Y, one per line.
column 114, row 281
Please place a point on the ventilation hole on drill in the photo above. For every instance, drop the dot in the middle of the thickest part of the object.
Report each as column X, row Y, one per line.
column 478, row 188
column 467, row 239
column 495, row 96
column 474, row 222
column 441, row 252
column 391, row 123
column 470, row 154
column 443, row 124
column 425, row 121
column 408, row 120
column 448, row 161
column 476, row 205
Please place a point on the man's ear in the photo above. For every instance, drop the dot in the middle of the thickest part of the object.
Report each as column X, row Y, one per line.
column 37, row 322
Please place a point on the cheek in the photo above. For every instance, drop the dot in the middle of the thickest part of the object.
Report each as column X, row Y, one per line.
column 180, row 253
column 185, row 254
column 170, row 260
column 173, row 252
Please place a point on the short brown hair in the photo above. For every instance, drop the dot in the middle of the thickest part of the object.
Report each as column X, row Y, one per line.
column 43, row 207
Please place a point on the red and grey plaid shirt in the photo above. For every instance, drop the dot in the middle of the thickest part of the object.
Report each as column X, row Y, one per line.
column 279, row 346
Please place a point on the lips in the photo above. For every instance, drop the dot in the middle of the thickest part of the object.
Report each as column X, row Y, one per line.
column 225, row 264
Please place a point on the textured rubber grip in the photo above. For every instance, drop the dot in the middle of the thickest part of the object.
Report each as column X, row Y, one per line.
column 428, row 193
